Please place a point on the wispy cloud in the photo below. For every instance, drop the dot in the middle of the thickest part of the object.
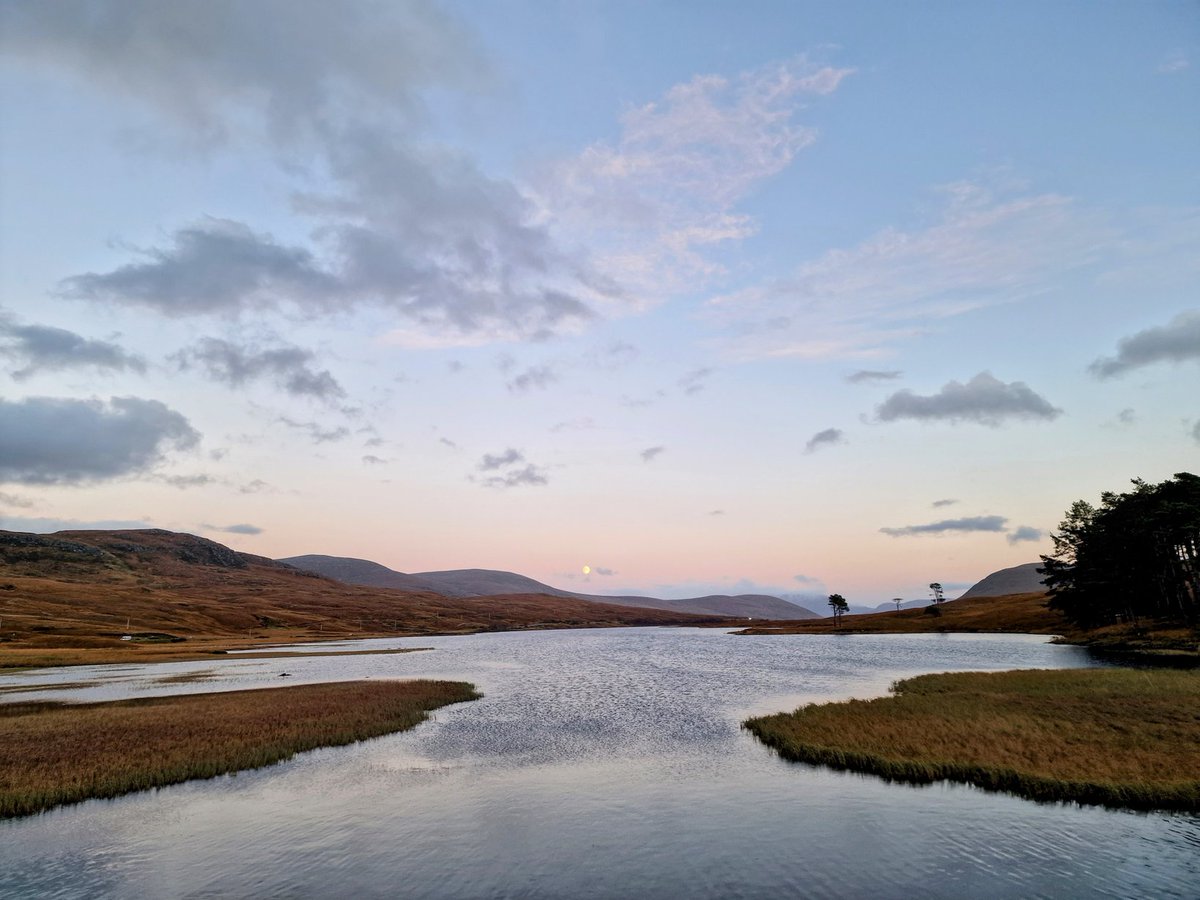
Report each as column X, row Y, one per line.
column 827, row 438
column 984, row 248
column 938, row 504
column 234, row 529
column 317, row 433
column 949, row 526
column 984, row 399
column 696, row 380
column 870, row 376
column 288, row 367
column 41, row 348
column 540, row 377
column 1178, row 341
column 651, row 453
column 517, row 475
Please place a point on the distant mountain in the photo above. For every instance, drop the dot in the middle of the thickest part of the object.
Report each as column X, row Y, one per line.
column 1022, row 579
column 858, row 610
column 467, row 583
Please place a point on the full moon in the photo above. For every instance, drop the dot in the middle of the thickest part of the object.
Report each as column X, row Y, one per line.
column 587, row 570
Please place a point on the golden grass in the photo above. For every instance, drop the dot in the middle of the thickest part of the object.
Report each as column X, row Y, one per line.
column 51, row 754
column 1015, row 613
column 1117, row 737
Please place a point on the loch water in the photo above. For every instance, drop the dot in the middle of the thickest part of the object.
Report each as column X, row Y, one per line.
column 599, row 764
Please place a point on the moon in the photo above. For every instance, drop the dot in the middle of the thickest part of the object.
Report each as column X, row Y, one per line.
column 587, row 570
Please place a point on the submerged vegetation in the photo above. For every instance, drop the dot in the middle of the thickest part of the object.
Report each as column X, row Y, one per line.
column 52, row 753
column 1116, row 737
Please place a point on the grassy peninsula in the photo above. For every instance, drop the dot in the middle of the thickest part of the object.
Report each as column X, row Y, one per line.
column 1116, row 737
column 53, row 753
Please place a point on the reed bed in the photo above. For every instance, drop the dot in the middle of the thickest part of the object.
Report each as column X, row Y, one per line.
column 52, row 753
column 1113, row 737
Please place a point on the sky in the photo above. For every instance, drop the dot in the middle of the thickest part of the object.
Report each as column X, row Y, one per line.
column 777, row 297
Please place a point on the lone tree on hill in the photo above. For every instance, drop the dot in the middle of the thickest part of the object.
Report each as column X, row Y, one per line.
column 839, row 606
column 897, row 601
column 939, row 596
column 1135, row 555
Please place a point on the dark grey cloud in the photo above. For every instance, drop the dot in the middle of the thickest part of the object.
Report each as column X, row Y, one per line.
column 1025, row 533
column 948, row 501
column 827, row 438
column 984, row 399
column 969, row 524
column 15, row 501
column 1126, row 416
column 406, row 225
column 449, row 443
column 1177, row 341
column 50, row 440
column 288, row 367
column 650, row 453
column 38, row 348
column 213, row 266
column 48, row 525
column 319, row 434
column 533, row 377
column 870, row 376
column 493, row 461
column 234, row 529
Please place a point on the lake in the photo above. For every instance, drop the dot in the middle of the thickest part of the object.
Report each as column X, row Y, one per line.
column 599, row 763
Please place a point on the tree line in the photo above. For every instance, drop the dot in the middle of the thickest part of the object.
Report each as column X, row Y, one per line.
column 1136, row 555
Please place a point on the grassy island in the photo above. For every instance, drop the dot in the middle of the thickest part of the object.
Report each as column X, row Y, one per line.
column 54, row 753
column 1116, row 737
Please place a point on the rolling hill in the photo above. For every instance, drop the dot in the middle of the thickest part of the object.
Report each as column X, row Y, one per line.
column 1023, row 579
column 86, row 590
column 480, row 583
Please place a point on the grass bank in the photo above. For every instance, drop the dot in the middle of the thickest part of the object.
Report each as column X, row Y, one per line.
column 52, row 753
column 1116, row 737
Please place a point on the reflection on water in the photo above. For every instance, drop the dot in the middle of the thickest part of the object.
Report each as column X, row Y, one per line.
column 600, row 763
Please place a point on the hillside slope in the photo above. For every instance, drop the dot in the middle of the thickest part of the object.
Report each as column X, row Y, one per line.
column 87, row 589
column 479, row 583
column 1023, row 579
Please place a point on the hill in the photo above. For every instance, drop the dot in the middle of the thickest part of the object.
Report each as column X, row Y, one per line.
column 477, row 583
column 73, row 596
column 1019, row 613
column 1023, row 579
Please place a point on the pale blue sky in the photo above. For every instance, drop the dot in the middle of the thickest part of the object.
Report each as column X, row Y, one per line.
column 532, row 285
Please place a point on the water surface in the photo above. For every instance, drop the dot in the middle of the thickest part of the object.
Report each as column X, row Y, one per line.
column 600, row 763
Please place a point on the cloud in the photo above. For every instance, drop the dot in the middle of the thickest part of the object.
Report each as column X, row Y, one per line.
column 1177, row 341
column 448, row 443
column 584, row 423
column 655, row 204
column 945, row 526
column 1025, row 533
column 492, row 461
column 827, row 438
column 234, row 529
column 696, row 380
column 1127, row 416
column 806, row 579
column 529, row 475
column 1196, row 432
column 984, row 246
column 42, row 348
column 287, row 367
column 716, row 512
column 372, row 460
column 1177, row 61
column 400, row 223
column 601, row 570
column 938, row 504
column 516, row 476
column 316, row 432
column 984, row 399
column 864, row 376
column 650, row 453
column 15, row 501
column 533, row 377
column 188, row 481
column 49, row 440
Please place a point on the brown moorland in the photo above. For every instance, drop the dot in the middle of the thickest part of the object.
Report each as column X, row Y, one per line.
column 51, row 753
column 1015, row 613
column 1117, row 737
column 67, row 598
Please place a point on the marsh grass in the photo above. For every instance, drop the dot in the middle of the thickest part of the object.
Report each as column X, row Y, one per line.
column 1115, row 737
column 51, row 754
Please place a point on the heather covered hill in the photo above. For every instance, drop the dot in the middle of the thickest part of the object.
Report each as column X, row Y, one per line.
column 88, row 589
column 1023, row 579
column 489, row 582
